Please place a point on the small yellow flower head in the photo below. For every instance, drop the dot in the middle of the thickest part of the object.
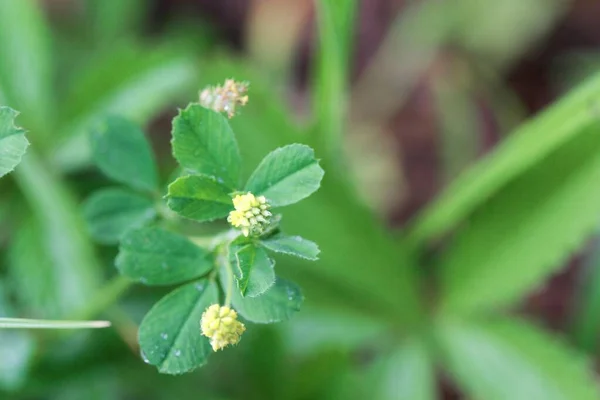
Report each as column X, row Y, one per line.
column 225, row 98
column 251, row 214
column 220, row 325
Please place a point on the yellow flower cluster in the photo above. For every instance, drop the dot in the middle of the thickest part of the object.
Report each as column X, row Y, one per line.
column 220, row 325
column 251, row 214
column 225, row 98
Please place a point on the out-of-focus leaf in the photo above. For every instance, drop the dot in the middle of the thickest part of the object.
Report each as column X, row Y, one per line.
column 199, row 197
column 130, row 81
column 527, row 146
column 170, row 335
column 490, row 30
column 408, row 372
column 586, row 314
column 154, row 256
column 109, row 213
column 286, row 175
column 293, row 245
column 26, row 63
column 122, row 153
column 203, row 142
column 511, row 359
column 59, row 237
column 13, row 142
column 255, row 272
column 111, row 20
column 524, row 233
column 277, row 304
column 16, row 351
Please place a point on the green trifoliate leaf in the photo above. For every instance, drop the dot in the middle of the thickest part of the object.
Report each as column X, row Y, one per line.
column 154, row 256
column 199, row 197
column 277, row 304
column 203, row 142
column 170, row 336
column 13, row 143
column 110, row 213
column 286, row 175
column 121, row 151
column 293, row 245
column 255, row 272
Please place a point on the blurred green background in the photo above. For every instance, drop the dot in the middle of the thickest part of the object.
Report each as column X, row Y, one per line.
column 451, row 213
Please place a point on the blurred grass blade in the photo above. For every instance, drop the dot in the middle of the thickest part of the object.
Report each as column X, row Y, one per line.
column 22, row 323
column 336, row 19
column 526, row 231
column 113, row 20
column 510, row 359
column 585, row 323
column 130, row 81
column 525, row 148
column 26, row 63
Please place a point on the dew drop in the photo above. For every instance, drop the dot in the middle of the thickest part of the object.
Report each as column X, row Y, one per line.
column 177, row 353
column 144, row 357
column 199, row 287
column 165, row 336
column 143, row 280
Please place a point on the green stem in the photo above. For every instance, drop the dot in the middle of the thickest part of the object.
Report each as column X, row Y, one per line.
column 227, row 265
column 23, row 323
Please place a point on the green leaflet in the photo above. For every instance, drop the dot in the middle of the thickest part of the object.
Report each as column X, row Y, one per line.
column 286, row 175
column 109, row 213
column 13, row 142
column 203, row 142
column 510, row 359
column 524, row 233
column 277, row 304
column 199, row 197
column 154, row 256
column 292, row 245
column 255, row 272
column 170, row 336
column 122, row 153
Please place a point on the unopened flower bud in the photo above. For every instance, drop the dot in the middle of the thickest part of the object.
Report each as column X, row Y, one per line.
column 251, row 214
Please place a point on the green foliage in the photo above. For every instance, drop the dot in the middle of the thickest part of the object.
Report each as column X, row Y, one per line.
column 509, row 359
column 170, row 335
column 277, row 304
column 154, row 256
column 292, row 245
column 204, row 143
column 122, row 153
column 286, row 175
column 13, row 142
column 206, row 148
column 255, row 272
column 199, row 197
column 111, row 212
